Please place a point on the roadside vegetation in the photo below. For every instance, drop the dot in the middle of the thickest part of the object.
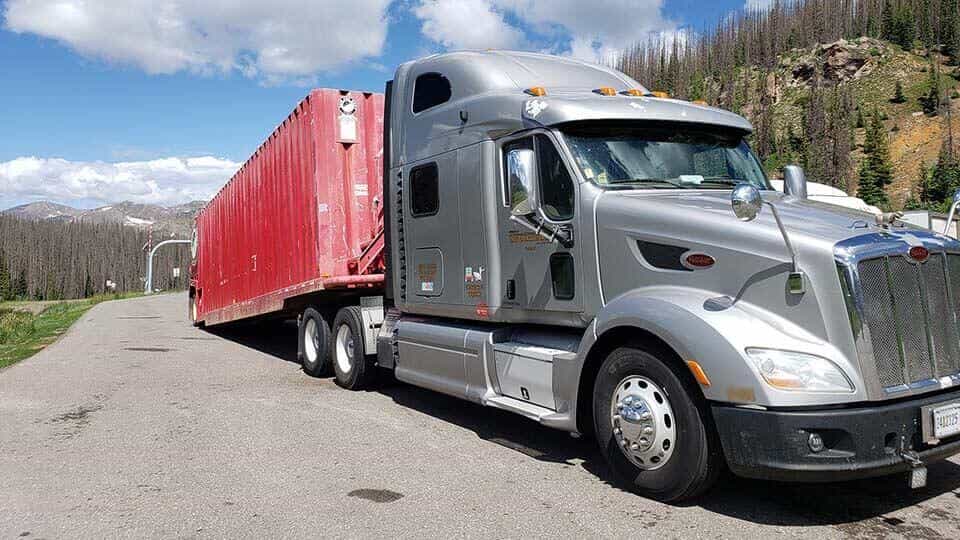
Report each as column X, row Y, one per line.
column 24, row 332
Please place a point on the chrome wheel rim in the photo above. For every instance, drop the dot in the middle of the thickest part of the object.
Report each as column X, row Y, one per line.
column 193, row 310
column 344, row 348
column 311, row 338
column 643, row 422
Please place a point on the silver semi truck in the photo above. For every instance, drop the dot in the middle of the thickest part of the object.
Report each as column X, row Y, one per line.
column 563, row 244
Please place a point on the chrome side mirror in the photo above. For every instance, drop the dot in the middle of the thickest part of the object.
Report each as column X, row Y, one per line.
column 522, row 174
column 746, row 202
column 953, row 212
column 794, row 182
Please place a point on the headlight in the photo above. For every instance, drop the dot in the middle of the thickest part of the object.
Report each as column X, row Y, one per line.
column 794, row 371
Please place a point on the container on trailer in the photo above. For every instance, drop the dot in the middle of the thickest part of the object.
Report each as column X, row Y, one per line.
column 303, row 214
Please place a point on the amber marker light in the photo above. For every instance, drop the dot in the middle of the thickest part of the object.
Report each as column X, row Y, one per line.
column 606, row 91
column 698, row 373
column 538, row 91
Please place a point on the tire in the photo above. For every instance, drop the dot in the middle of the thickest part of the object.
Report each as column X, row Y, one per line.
column 354, row 369
column 691, row 459
column 314, row 343
column 192, row 311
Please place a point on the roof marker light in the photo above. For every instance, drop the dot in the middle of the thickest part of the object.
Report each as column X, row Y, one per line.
column 660, row 94
column 700, row 102
column 538, row 91
column 635, row 92
column 606, row 91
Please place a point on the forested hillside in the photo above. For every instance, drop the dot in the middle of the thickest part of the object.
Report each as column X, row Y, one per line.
column 863, row 93
column 54, row 260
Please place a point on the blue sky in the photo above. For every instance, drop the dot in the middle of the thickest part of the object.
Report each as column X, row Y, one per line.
column 159, row 100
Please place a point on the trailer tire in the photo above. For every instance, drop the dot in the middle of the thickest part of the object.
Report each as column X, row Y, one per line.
column 354, row 370
column 192, row 311
column 314, row 343
column 684, row 459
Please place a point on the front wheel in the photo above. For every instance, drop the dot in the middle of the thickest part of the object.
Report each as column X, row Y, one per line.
column 654, row 428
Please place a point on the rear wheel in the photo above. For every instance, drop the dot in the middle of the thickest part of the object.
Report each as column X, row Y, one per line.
column 354, row 369
column 654, row 428
column 192, row 311
column 314, row 343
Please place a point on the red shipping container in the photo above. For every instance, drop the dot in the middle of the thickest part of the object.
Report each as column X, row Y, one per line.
column 303, row 214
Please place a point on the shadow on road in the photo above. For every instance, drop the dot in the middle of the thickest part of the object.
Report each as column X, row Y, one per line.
column 276, row 338
column 861, row 507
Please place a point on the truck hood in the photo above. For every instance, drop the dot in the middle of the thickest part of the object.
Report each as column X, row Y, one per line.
column 637, row 231
column 710, row 214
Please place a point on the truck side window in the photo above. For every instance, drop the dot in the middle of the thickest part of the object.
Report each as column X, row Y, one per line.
column 430, row 90
column 424, row 190
column 556, row 187
column 561, row 276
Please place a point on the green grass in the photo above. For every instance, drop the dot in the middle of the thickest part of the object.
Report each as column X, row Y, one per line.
column 23, row 334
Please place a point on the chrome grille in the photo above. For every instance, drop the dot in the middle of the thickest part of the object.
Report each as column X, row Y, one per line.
column 910, row 313
column 878, row 314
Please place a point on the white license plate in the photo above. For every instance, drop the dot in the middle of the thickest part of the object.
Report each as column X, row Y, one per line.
column 946, row 420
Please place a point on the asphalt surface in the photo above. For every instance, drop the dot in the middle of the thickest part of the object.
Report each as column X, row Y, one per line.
column 137, row 425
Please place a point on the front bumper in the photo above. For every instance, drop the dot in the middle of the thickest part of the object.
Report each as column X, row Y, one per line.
column 861, row 442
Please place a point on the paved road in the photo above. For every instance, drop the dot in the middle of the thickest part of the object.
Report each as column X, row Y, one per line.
column 137, row 425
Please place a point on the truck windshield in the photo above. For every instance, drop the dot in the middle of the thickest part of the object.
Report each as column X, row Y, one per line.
column 663, row 156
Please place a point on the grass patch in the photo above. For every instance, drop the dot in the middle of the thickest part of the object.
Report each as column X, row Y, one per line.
column 23, row 334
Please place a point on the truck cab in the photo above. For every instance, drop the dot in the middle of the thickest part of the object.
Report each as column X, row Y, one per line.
column 565, row 244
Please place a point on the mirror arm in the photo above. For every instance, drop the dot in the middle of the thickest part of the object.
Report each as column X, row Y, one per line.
column 561, row 234
column 953, row 211
column 786, row 236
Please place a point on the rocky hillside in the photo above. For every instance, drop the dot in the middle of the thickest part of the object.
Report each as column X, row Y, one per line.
column 870, row 69
column 176, row 220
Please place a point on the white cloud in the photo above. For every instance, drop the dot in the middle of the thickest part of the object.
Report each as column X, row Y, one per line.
column 466, row 24
column 167, row 181
column 275, row 41
column 593, row 30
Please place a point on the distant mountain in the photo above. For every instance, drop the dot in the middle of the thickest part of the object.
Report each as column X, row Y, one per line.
column 175, row 220
column 44, row 210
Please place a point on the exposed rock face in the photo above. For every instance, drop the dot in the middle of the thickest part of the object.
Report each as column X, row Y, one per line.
column 843, row 63
column 839, row 62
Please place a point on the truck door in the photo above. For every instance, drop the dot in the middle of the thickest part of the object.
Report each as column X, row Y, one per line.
column 539, row 275
column 431, row 232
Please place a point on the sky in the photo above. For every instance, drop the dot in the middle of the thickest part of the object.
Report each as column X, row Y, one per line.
column 160, row 101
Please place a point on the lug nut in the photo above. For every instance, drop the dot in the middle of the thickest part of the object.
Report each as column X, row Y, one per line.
column 647, row 430
column 645, row 416
column 644, row 441
column 634, row 446
column 617, row 431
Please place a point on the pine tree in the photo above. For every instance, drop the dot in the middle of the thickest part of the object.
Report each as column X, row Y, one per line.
column 6, row 293
column 876, row 172
column 950, row 27
column 88, row 287
column 898, row 96
column 20, row 290
column 931, row 101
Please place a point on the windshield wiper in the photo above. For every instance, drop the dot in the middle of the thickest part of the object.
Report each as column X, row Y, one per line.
column 724, row 180
column 663, row 182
